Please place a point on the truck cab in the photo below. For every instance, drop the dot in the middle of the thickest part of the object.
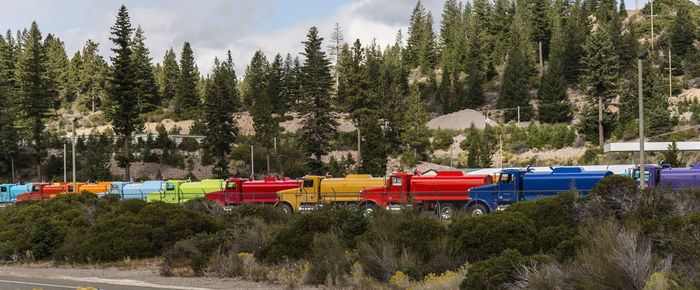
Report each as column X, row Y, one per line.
column 43, row 191
column 303, row 198
column 523, row 184
column 676, row 178
column 116, row 187
column 9, row 192
column 316, row 191
column 652, row 174
column 170, row 194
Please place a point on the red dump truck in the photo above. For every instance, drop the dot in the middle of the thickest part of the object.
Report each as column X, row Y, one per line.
column 443, row 192
column 241, row 191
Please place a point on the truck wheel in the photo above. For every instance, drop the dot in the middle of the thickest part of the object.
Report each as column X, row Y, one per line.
column 352, row 207
column 367, row 209
column 287, row 208
column 446, row 211
column 477, row 209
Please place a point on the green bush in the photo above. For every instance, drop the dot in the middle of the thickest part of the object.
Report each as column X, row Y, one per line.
column 482, row 236
column 442, row 139
column 328, row 259
column 589, row 157
column 268, row 213
column 498, row 270
column 294, row 241
column 143, row 234
column 188, row 144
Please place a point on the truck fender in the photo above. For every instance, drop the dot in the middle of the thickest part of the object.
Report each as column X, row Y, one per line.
column 478, row 201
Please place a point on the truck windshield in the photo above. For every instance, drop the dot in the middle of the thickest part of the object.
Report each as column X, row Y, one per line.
column 506, row 178
column 3, row 189
column 308, row 183
column 170, row 187
column 231, row 185
column 36, row 188
column 396, row 181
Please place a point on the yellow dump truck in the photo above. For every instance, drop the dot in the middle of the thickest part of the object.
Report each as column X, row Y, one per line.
column 316, row 191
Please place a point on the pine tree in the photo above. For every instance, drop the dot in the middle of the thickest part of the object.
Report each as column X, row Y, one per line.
column 93, row 75
column 56, row 67
column 682, row 32
column 316, row 82
column 671, row 156
column 576, row 30
column 554, row 104
column 170, row 76
column 501, row 21
column 35, row 90
column 416, row 34
column 515, row 84
column 428, row 55
column 539, row 24
column 476, row 64
column 393, row 88
column 415, row 132
column 122, row 110
column 219, row 105
column 601, row 72
column 76, row 65
column 290, row 82
column 449, row 32
column 8, row 111
column 187, row 96
column 336, row 43
column 147, row 91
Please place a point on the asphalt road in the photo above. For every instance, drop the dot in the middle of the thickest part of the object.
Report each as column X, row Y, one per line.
column 10, row 282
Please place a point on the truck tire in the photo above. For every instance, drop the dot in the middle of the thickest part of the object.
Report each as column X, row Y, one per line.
column 477, row 209
column 368, row 209
column 446, row 211
column 287, row 208
column 352, row 207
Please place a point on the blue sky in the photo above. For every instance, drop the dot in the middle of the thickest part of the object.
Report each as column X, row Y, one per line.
column 214, row 26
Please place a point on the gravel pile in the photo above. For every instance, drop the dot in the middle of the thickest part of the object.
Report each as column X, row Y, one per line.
column 459, row 120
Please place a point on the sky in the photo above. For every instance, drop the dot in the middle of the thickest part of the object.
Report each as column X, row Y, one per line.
column 214, row 26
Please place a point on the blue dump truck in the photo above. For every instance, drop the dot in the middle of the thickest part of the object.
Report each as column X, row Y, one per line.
column 522, row 184
column 136, row 190
column 9, row 192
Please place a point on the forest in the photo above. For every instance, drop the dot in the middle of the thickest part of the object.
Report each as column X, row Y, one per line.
column 566, row 67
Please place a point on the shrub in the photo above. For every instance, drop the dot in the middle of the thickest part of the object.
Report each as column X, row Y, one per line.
column 492, row 273
column 204, row 206
column 188, row 144
column 328, row 259
column 442, row 139
column 612, row 195
column 267, row 213
column 294, row 241
column 482, row 236
column 589, row 157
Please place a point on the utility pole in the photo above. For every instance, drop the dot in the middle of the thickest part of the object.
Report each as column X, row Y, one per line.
column 652, row 25
column 359, row 145
column 252, row 161
column 541, row 61
column 670, row 76
column 518, row 116
column 600, row 121
column 642, row 182
column 74, row 121
column 65, row 178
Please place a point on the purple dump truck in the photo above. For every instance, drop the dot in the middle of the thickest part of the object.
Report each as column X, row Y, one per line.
column 677, row 178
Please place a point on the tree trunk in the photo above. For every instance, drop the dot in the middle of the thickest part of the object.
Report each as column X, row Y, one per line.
column 541, row 61
column 92, row 99
column 127, row 174
column 600, row 121
column 12, row 164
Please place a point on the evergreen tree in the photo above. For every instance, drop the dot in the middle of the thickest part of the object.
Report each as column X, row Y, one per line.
column 93, row 75
column 428, row 56
column 671, row 156
column 76, row 65
column 601, row 72
column 450, row 28
column 515, row 84
column 415, row 133
column 146, row 89
column 290, row 82
column 416, row 33
column 219, row 105
column 170, row 76
column 682, row 32
column 539, row 24
column 554, row 104
column 319, row 124
column 336, row 43
column 35, row 91
column 96, row 166
column 393, row 88
column 8, row 111
column 476, row 64
column 122, row 109
column 501, row 21
column 576, row 30
column 187, row 96
column 56, row 67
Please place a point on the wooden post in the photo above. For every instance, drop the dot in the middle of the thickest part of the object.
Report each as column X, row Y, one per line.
column 652, row 25
column 541, row 61
column 670, row 76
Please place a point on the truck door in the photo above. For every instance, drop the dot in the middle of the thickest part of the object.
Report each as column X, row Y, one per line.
column 307, row 192
column 231, row 193
column 506, row 188
column 170, row 195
